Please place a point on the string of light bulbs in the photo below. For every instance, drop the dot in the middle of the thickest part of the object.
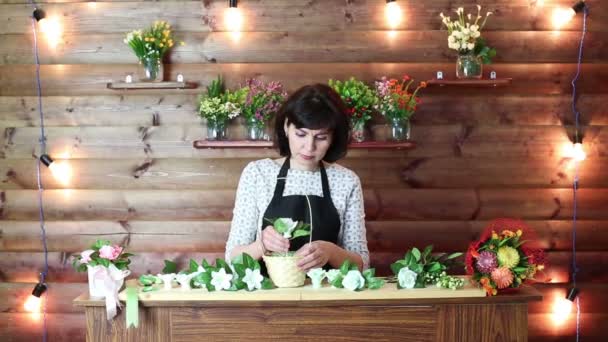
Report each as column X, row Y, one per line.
column 572, row 294
column 40, row 288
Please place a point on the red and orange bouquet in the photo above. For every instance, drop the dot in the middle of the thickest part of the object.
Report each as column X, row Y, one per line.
column 504, row 256
column 397, row 101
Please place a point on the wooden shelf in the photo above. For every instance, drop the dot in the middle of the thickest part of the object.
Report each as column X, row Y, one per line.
column 371, row 145
column 471, row 82
column 152, row 85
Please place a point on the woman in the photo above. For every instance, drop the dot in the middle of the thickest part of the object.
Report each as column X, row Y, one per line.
column 311, row 131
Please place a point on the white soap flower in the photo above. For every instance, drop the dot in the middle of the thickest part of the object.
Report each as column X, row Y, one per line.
column 253, row 279
column 353, row 280
column 407, row 278
column 221, row 280
column 316, row 275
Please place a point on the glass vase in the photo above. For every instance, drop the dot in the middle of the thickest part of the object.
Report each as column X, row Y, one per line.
column 469, row 66
column 256, row 130
column 358, row 132
column 400, row 129
column 216, row 130
column 152, row 70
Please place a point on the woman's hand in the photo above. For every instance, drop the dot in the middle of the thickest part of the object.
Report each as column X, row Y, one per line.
column 314, row 254
column 273, row 241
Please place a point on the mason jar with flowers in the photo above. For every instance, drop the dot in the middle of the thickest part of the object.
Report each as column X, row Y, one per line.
column 150, row 46
column 464, row 36
column 262, row 102
column 218, row 106
column 397, row 104
column 360, row 100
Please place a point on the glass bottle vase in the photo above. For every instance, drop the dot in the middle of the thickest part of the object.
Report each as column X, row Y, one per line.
column 152, row 70
column 216, row 130
column 400, row 129
column 469, row 66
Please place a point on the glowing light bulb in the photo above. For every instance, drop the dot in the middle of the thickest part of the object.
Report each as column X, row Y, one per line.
column 51, row 28
column 32, row 304
column 561, row 310
column 393, row 14
column 233, row 19
column 578, row 153
column 61, row 171
column 561, row 16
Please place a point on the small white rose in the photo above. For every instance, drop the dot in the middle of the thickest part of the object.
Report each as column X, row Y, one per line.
column 221, row 280
column 471, row 46
column 253, row 279
column 407, row 278
column 353, row 280
column 476, row 34
column 290, row 224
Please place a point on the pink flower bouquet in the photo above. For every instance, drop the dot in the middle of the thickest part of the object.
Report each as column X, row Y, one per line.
column 102, row 253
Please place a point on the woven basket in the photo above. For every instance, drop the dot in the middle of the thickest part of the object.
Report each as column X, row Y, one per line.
column 284, row 271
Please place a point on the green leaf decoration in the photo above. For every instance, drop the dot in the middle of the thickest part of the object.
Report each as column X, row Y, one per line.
column 416, row 253
column 170, row 267
column 338, row 281
column 345, row 267
column 105, row 262
column 267, row 284
column 300, row 232
column 193, row 266
column 375, row 283
column 221, row 263
column 453, row 255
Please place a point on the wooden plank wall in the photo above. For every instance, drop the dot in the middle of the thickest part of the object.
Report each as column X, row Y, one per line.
column 482, row 153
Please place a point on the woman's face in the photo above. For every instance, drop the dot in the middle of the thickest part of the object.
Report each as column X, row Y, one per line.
column 307, row 146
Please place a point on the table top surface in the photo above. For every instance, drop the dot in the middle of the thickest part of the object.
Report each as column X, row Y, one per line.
column 307, row 296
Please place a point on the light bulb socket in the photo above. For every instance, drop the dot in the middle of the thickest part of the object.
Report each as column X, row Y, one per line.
column 38, row 14
column 578, row 139
column 39, row 289
column 572, row 293
column 579, row 7
column 389, row 1
column 46, row 160
column 232, row 3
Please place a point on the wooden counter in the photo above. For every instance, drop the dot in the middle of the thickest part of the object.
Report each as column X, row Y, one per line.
column 386, row 314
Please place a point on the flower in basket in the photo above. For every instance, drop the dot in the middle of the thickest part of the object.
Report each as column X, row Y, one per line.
column 359, row 99
column 151, row 45
column 107, row 266
column 419, row 269
column 102, row 253
column 464, row 34
column 290, row 230
column 219, row 105
column 262, row 101
column 500, row 259
column 349, row 277
column 395, row 100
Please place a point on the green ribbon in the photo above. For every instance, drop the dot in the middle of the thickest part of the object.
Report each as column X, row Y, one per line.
column 132, row 307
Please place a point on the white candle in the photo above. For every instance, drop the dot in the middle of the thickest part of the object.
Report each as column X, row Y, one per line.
column 128, row 79
column 180, row 78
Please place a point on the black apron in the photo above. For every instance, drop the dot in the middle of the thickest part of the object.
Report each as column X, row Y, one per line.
column 325, row 218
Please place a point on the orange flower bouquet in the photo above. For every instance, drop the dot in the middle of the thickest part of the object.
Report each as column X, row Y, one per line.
column 504, row 258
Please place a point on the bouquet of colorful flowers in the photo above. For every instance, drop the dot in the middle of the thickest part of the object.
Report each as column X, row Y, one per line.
column 396, row 102
column 464, row 34
column 151, row 43
column 107, row 266
column 500, row 259
column 219, row 105
column 102, row 253
column 262, row 101
column 359, row 99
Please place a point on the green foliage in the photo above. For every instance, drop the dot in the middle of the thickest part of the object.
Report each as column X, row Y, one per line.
column 371, row 282
column 428, row 266
column 483, row 51
column 170, row 267
column 358, row 97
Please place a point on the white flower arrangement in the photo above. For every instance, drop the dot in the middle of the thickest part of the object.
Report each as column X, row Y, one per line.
column 349, row 277
column 243, row 274
column 407, row 278
column 464, row 34
column 219, row 105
